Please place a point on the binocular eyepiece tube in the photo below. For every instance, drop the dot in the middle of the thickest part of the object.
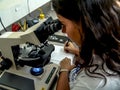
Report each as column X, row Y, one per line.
column 47, row 28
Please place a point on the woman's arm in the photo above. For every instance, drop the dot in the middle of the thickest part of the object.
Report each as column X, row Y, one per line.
column 63, row 82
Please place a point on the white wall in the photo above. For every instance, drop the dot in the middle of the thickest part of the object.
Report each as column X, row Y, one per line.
column 13, row 10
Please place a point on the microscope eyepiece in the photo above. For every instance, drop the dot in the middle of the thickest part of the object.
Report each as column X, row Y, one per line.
column 47, row 28
column 53, row 27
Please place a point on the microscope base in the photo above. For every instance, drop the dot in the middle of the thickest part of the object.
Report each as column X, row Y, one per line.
column 42, row 82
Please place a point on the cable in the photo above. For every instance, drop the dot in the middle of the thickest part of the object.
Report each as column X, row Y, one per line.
column 28, row 8
column 2, row 24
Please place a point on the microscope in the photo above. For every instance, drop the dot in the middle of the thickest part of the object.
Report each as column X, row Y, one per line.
column 29, row 51
column 37, row 36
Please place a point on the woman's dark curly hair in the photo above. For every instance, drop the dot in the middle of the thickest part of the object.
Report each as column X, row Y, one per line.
column 101, row 27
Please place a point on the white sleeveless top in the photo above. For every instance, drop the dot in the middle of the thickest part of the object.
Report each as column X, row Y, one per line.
column 84, row 82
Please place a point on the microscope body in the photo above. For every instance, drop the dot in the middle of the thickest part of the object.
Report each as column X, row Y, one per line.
column 36, row 35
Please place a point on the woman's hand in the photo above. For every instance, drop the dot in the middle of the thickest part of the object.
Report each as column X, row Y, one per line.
column 64, row 75
column 66, row 64
column 69, row 47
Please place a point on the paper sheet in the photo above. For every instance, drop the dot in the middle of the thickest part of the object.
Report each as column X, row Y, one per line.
column 59, row 54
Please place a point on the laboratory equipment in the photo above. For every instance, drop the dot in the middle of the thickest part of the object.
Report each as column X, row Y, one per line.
column 13, row 45
column 38, row 34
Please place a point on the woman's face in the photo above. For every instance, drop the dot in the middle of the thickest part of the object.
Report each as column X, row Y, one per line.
column 73, row 30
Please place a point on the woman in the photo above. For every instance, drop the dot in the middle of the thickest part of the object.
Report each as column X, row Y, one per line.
column 94, row 26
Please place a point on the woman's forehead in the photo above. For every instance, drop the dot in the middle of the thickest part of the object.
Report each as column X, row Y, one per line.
column 63, row 19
